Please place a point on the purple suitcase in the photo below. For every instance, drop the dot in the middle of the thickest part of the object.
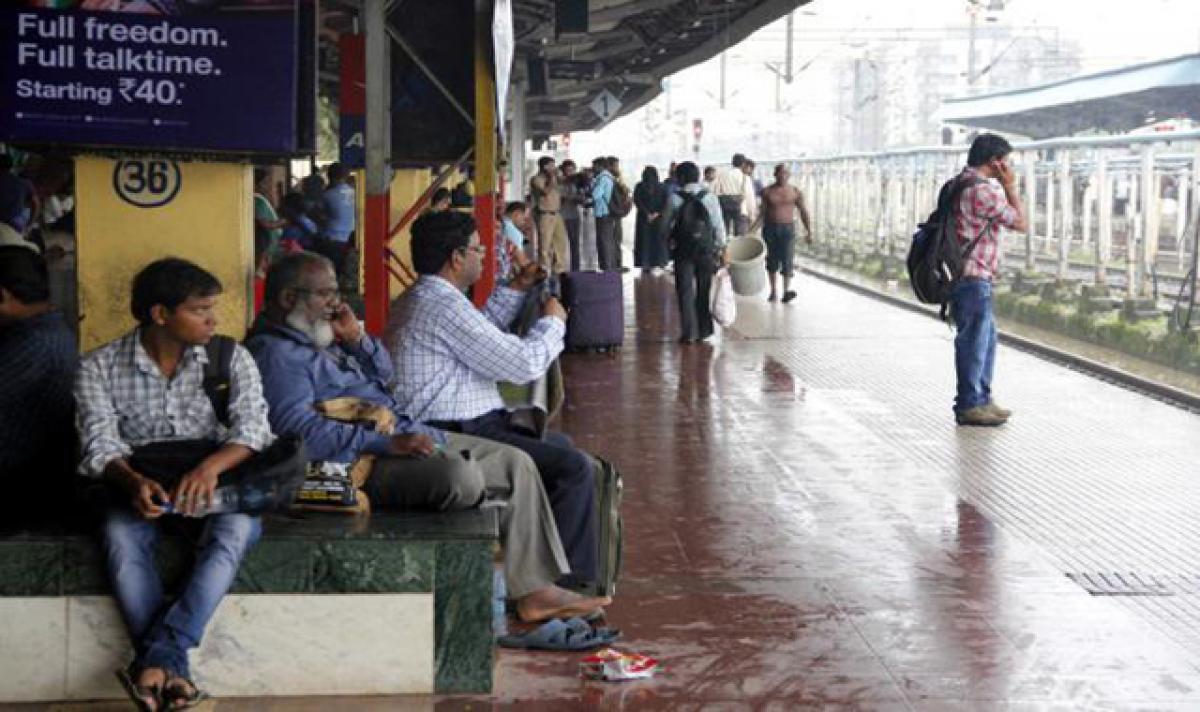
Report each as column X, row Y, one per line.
column 595, row 310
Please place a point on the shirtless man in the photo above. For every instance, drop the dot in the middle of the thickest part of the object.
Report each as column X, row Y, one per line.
column 780, row 201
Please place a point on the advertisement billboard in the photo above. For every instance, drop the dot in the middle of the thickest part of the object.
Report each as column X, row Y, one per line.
column 188, row 75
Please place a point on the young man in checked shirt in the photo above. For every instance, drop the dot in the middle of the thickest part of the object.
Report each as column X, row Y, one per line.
column 147, row 387
column 449, row 356
column 987, row 203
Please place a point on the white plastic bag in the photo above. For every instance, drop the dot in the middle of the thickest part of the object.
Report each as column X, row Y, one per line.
column 724, row 306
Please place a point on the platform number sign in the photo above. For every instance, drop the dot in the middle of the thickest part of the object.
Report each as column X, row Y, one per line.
column 147, row 183
column 605, row 105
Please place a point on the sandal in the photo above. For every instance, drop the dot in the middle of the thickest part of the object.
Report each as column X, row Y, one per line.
column 572, row 634
column 180, row 693
column 147, row 698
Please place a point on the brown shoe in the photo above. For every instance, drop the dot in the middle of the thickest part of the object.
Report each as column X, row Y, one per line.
column 980, row 416
column 998, row 411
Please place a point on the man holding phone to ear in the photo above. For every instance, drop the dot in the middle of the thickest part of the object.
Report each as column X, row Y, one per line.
column 988, row 202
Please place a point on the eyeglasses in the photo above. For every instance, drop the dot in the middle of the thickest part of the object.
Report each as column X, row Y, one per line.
column 477, row 249
column 327, row 293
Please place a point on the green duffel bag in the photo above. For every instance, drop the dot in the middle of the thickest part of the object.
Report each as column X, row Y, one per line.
column 610, row 487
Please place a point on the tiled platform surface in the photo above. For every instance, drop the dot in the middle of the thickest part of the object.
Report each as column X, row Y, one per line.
column 807, row 529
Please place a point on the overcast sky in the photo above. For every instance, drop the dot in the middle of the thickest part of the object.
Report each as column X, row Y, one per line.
column 1110, row 33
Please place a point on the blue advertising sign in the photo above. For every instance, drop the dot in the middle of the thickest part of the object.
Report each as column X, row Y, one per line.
column 220, row 79
column 352, row 135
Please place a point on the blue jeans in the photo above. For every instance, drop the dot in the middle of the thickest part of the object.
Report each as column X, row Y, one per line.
column 162, row 631
column 975, row 344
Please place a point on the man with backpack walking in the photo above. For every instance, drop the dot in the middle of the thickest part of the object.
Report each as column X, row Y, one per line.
column 983, row 199
column 694, row 229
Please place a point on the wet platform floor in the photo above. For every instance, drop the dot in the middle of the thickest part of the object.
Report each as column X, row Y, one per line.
column 806, row 528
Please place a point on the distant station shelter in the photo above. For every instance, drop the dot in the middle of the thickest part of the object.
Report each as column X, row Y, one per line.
column 1112, row 102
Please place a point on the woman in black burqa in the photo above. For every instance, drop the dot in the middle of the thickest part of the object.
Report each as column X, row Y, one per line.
column 650, row 198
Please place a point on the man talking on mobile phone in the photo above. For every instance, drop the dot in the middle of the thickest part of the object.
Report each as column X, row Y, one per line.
column 987, row 203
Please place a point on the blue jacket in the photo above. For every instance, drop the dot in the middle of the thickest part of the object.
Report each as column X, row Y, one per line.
column 602, row 189
column 296, row 376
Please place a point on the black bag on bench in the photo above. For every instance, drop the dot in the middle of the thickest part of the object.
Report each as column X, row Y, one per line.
column 268, row 481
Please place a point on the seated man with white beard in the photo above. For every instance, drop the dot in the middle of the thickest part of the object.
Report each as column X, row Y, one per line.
column 310, row 349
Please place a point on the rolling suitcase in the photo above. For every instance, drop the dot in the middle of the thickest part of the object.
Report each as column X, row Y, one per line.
column 595, row 310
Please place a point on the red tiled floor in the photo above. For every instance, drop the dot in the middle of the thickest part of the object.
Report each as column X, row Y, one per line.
column 807, row 528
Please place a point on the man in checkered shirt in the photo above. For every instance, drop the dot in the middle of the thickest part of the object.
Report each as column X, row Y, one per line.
column 449, row 356
column 988, row 202
column 147, row 387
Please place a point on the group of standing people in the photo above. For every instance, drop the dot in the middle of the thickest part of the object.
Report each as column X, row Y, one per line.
column 577, row 214
column 317, row 215
column 572, row 210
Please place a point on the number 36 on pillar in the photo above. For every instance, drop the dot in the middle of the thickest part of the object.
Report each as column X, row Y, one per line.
column 147, row 183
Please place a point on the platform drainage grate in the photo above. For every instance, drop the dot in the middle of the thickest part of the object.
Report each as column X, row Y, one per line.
column 1129, row 584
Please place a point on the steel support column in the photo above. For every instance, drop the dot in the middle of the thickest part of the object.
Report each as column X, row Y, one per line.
column 516, row 142
column 378, row 144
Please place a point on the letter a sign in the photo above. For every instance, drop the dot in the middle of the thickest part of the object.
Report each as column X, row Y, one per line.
column 605, row 105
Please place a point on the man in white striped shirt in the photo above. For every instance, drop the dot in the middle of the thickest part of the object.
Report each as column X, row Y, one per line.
column 449, row 357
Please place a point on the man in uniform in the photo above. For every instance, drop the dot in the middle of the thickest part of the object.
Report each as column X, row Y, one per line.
column 553, row 249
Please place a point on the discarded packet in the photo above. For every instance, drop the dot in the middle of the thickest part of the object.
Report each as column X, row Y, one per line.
column 614, row 665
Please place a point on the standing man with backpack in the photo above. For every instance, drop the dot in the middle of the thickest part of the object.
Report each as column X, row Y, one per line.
column 620, row 206
column 608, row 250
column 695, row 232
column 986, row 201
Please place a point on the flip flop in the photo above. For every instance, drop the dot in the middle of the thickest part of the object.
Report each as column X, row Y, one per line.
column 180, row 693
column 570, row 635
column 601, row 636
column 146, row 699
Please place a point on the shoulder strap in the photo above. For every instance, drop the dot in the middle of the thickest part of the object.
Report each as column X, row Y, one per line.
column 218, row 374
column 986, row 226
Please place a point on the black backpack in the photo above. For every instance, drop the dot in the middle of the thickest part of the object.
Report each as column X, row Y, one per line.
column 692, row 232
column 935, row 259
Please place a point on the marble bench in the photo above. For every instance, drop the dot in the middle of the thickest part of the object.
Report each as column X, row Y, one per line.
column 325, row 604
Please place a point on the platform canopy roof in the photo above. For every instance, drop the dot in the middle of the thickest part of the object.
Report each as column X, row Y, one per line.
column 1115, row 101
column 630, row 46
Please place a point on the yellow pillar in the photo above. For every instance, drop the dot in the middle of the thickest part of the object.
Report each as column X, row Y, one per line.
column 130, row 213
column 486, row 146
column 408, row 184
